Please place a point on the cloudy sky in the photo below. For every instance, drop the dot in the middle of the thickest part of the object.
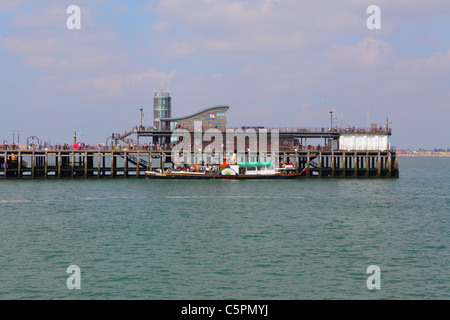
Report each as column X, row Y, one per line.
column 274, row 62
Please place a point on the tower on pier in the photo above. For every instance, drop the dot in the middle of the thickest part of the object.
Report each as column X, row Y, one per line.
column 162, row 108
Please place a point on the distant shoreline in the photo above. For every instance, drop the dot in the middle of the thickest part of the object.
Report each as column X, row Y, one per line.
column 424, row 155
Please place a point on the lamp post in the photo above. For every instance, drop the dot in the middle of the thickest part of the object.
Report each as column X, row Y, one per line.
column 331, row 123
column 142, row 116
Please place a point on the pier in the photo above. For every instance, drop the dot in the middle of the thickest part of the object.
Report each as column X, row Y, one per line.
column 326, row 152
column 127, row 164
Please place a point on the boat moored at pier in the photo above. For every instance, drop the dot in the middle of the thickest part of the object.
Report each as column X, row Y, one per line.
column 241, row 171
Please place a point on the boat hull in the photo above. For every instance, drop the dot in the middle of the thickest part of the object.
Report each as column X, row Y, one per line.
column 200, row 176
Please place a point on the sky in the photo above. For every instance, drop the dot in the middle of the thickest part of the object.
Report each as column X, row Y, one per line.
column 276, row 63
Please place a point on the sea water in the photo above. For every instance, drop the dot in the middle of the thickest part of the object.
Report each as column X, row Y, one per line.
column 213, row 239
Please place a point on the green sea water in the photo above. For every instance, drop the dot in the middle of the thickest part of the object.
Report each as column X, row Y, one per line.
column 293, row 239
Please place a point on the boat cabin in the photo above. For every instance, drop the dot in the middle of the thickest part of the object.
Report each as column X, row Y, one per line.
column 257, row 168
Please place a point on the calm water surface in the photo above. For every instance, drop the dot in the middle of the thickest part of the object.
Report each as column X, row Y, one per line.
column 305, row 239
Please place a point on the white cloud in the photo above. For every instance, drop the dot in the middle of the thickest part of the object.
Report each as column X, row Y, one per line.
column 106, row 85
column 77, row 52
column 118, row 83
column 277, row 26
column 52, row 16
column 369, row 53
column 437, row 64
column 42, row 17
column 252, row 26
column 27, row 45
column 417, row 75
column 161, row 26
column 10, row 4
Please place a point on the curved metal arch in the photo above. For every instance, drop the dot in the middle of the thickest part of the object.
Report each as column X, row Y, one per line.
column 32, row 138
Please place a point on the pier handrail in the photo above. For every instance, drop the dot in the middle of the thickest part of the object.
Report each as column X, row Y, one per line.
column 315, row 129
column 318, row 130
column 152, row 147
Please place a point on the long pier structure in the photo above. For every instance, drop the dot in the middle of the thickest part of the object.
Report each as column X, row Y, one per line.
column 344, row 153
column 116, row 164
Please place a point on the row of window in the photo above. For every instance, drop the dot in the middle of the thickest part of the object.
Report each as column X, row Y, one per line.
column 161, row 102
column 161, row 114
column 161, row 108
column 174, row 125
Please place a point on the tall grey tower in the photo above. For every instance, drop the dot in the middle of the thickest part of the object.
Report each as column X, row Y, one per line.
column 162, row 107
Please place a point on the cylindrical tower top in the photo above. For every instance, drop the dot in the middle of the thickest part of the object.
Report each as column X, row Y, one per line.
column 161, row 94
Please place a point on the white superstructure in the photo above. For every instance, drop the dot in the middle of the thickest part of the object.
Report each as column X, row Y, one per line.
column 371, row 142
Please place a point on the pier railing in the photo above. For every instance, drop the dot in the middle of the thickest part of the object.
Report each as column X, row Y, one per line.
column 151, row 147
column 317, row 130
column 165, row 129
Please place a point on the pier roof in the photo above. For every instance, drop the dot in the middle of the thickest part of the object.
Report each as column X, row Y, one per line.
column 196, row 114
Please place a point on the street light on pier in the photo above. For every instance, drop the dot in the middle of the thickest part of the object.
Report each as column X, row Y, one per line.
column 331, row 121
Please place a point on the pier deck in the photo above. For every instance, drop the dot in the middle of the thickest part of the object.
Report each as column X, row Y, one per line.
column 84, row 164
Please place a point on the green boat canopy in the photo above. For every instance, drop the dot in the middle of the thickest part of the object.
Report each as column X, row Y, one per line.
column 255, row 164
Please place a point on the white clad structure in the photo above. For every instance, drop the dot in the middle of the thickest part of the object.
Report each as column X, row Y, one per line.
column 370, row 142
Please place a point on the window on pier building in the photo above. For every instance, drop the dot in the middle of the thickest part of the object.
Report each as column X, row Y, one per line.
column 173, row 125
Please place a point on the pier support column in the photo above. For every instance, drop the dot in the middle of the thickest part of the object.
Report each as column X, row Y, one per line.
column 379, row 164
column 72, row 170
column 45, row 165
column 113, row 163
column 59, row 165
column 5, row 163
column 333, row 164
column 125, row 164
column 320, row 165
column 367, row 165
column 308, row 161
column 163, row 158
column 33, row 164
column 389, row 165
column 19, row 165
column 396, row 172
column 296, row 162
column 99, row 163
column 85, row 164
column 138, row 159
column 104, row 164
column 344, row 165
